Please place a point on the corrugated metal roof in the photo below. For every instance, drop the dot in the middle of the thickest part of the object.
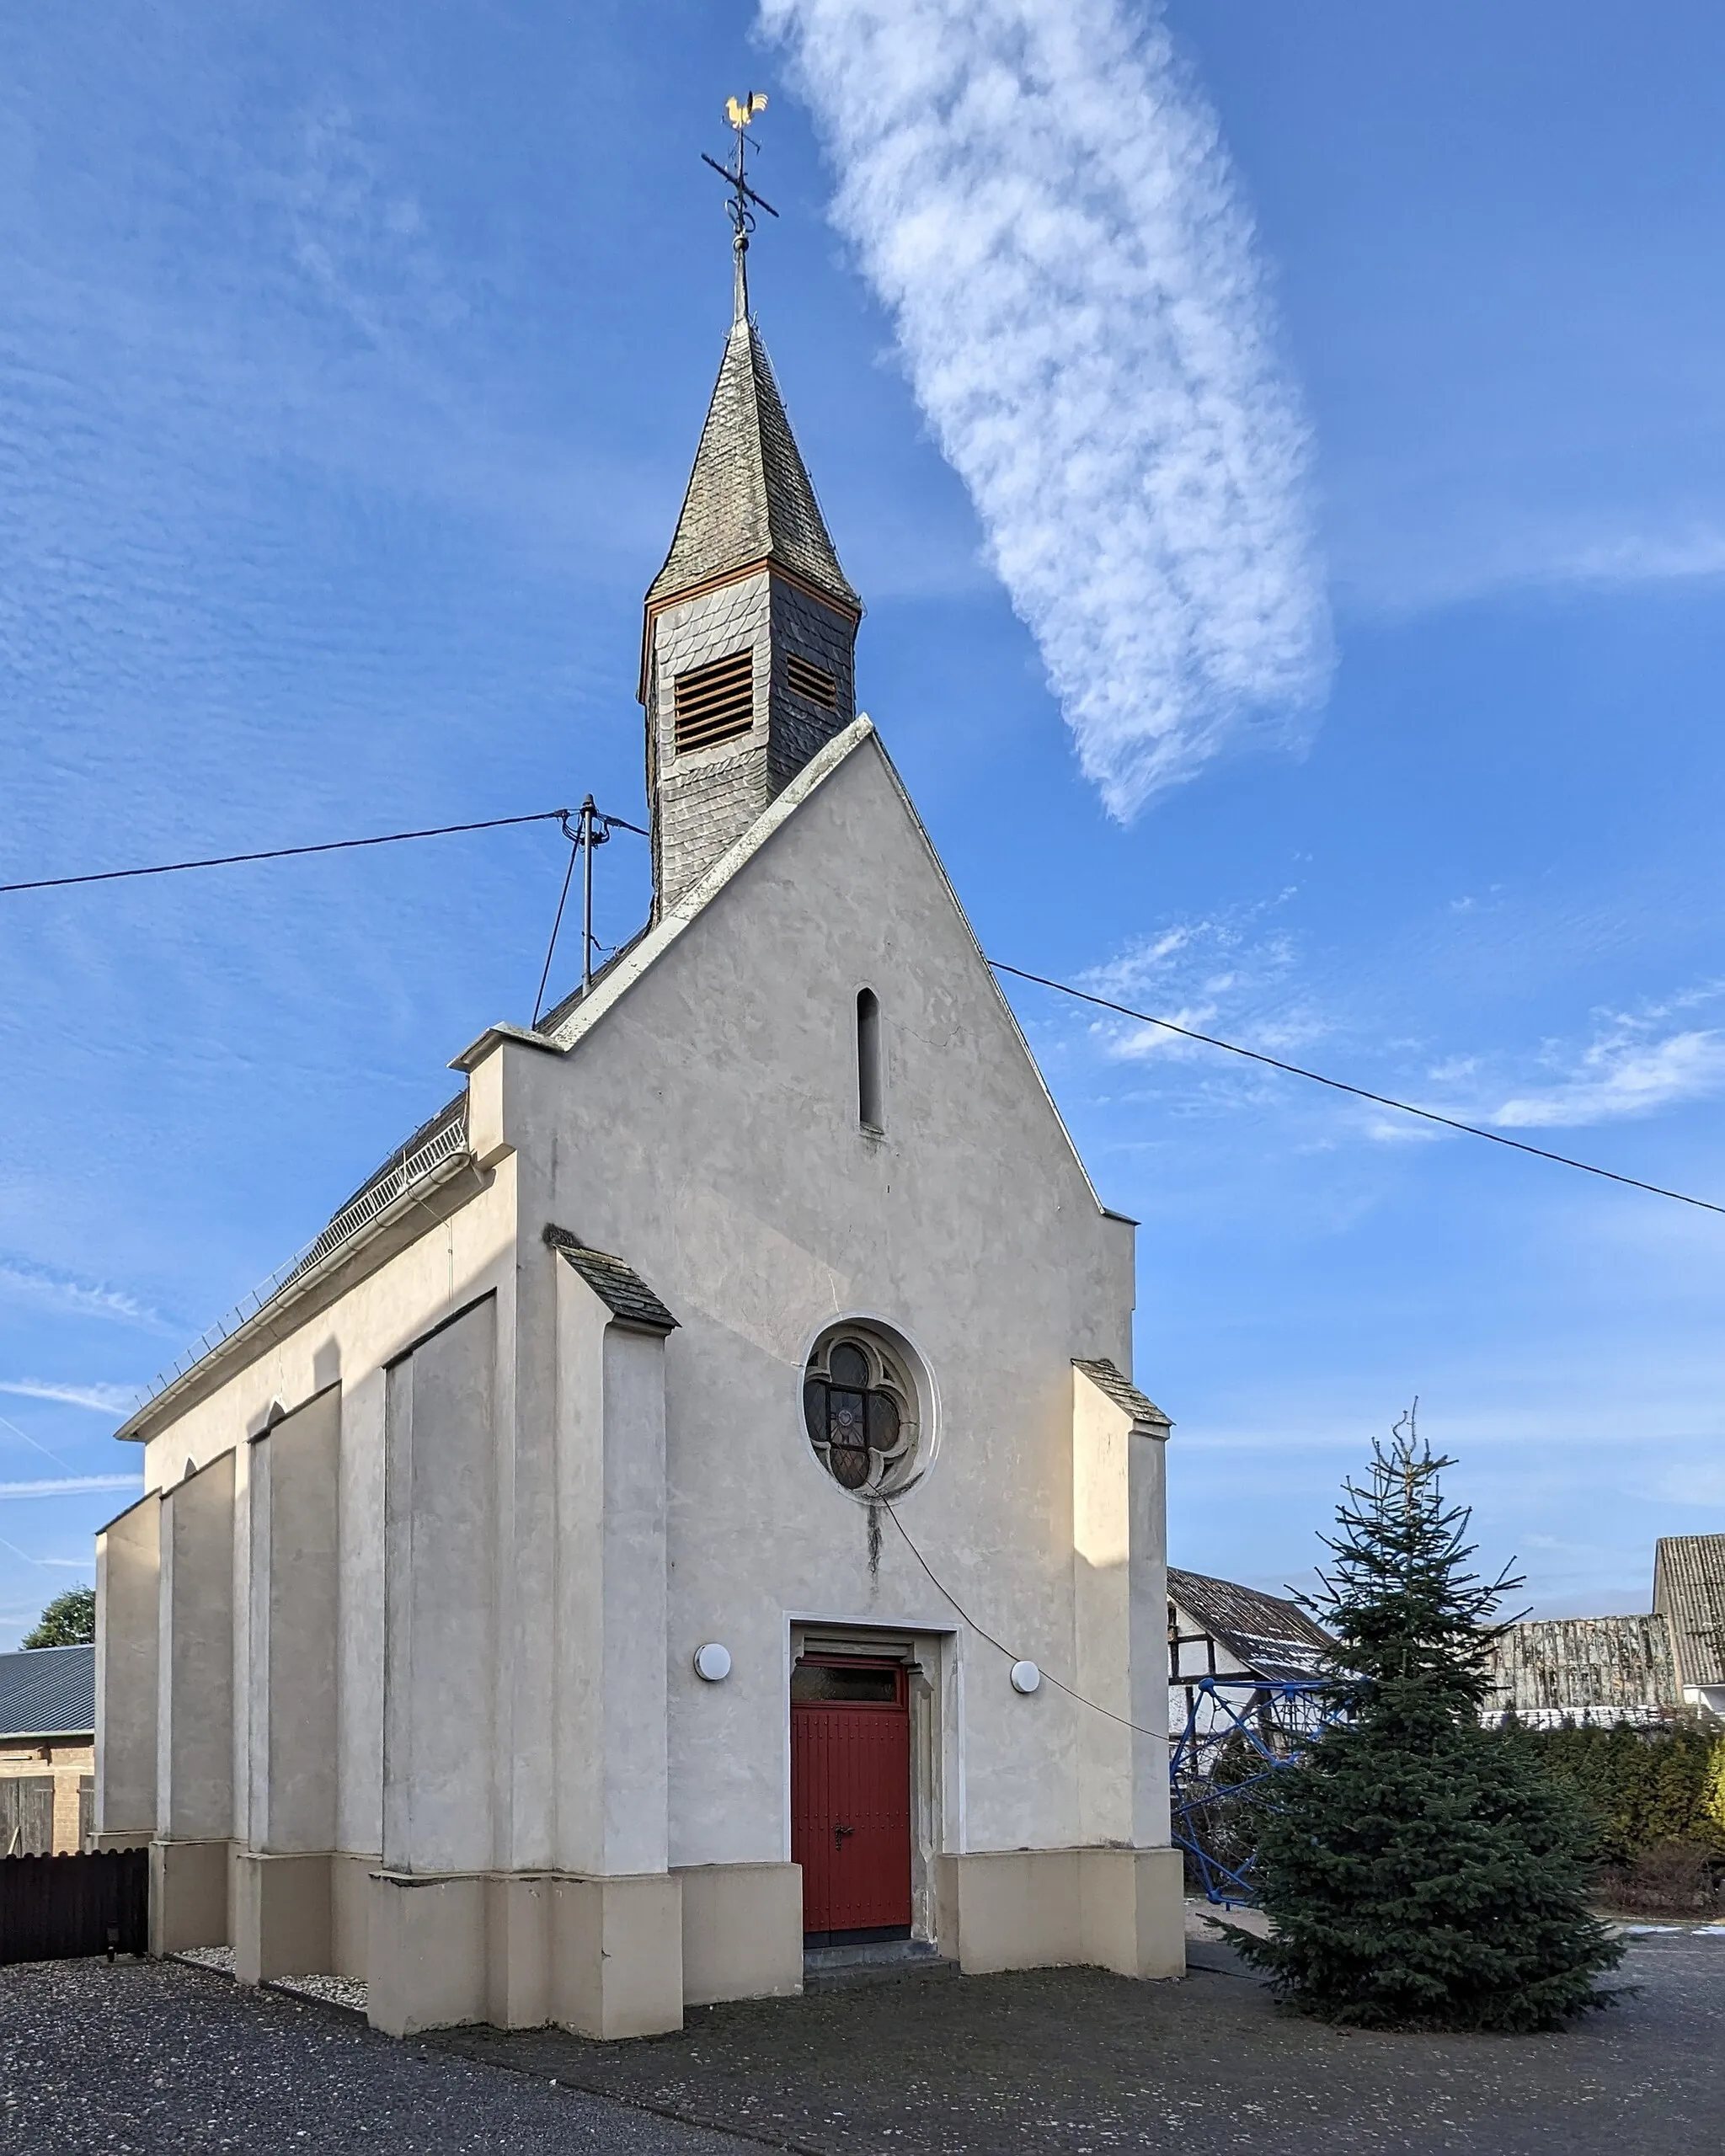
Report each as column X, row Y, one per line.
column 1689, row 1591
column 1270, row 1634
column 1578, row 1665
column 48, row 1692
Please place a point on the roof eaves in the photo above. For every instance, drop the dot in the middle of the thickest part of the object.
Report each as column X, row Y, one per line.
column 402, row 1220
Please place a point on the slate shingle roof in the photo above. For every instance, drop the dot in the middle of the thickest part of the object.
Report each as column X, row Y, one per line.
column 1689, row 1591
column 750, row 497
column 1122, row 1392
column 1272, row 1636
column 618, row 1286
column 48, row 1692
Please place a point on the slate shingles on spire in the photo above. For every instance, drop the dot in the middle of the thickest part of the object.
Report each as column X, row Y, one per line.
column 750, row 498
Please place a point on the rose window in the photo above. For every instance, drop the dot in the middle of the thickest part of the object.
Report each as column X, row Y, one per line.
column 860, row 1404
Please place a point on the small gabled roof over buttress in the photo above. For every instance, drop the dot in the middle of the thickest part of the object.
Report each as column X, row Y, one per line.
column 1108, row 1379
column 618, row 1286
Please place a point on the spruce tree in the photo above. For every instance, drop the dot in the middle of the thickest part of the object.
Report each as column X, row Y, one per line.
column 1421, row 1870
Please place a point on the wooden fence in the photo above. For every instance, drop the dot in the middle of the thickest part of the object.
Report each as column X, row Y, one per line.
column 53, row 1908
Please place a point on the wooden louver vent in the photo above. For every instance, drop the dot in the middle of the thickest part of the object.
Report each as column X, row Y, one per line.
column 715, row 703
column 812, row 683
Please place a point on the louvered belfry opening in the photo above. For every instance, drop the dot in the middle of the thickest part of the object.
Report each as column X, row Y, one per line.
column 715, row 703
column 812, row 683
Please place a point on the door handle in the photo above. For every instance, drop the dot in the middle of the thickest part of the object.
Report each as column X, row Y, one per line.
column 839, row 1834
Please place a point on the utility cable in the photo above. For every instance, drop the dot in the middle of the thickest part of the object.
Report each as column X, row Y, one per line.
column 1018, row 973
column 1360, row 1092
column 941, row 1588
column 574, row 840
column 291, row 852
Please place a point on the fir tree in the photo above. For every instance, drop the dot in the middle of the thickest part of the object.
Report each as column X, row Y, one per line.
column 1421, row 1870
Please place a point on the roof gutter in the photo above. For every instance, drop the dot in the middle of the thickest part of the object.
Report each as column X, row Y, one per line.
column 312, row 1288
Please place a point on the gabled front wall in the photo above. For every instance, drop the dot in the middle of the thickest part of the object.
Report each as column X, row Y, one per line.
column 708, row 1131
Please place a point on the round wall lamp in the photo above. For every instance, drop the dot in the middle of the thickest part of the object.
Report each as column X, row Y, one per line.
column 713, row 1662
column 1026, row 1677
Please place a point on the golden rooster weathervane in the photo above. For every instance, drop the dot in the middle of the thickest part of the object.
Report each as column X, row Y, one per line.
column 740, row 112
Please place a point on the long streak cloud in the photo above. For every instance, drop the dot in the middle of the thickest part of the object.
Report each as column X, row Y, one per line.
column 1040, row 195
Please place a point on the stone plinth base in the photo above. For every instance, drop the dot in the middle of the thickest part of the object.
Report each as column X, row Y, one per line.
column 281, row 1916
column 603, row 1957
column 1109, row 1909
column 187, row 1895
column 742, row 1931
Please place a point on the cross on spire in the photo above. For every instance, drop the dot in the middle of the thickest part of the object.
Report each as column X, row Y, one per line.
column 740, row 111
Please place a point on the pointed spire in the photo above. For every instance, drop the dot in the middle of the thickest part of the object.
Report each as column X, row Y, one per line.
column 748, row 651
column 750, row 498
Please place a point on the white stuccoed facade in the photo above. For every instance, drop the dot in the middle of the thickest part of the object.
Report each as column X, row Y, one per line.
column 396, row 1657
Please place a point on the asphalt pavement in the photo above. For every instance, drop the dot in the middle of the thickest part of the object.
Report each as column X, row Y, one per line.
column 165, row 2060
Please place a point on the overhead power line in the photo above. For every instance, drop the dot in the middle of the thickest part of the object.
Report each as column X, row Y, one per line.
column 1360, row 1092
column 564, row 816
column 288, row 852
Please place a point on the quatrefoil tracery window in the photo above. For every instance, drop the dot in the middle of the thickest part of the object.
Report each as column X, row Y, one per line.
column 861, row 1407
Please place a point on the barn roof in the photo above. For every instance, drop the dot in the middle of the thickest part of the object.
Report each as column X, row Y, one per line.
column 1582, row 1665
column 48, row 1692
column 1689, row 1591
column 1269, row 1633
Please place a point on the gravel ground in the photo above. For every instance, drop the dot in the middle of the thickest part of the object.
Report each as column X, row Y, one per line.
column 166, row 2060
column 156, row 2058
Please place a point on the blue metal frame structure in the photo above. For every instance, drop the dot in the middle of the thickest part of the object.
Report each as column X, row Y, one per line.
column 1276, row 1719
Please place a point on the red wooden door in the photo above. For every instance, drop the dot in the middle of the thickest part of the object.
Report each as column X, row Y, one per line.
column 850, row 1801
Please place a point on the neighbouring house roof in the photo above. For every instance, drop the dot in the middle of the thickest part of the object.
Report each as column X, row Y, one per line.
column 618, row 1286
column 48, row 1692
column 1689, row 1591
column 1123, row 1393
column 751, row 499
column 1269, row 1634
column 1580, row 1665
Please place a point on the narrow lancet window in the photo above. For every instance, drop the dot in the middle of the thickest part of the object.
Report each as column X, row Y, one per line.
column 868, row 1059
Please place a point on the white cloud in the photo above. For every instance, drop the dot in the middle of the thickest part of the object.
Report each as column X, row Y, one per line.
column 1038, row 192
column 1228, row 974
column 363, row 243
column 1626, row 1071
column 104, row 1399
column 68, row 1486
column 22, row 1281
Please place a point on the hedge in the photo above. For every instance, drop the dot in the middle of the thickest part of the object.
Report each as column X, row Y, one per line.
column 1645, row 1786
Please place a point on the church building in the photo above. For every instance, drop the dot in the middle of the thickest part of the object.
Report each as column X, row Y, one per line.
column 690, row 1512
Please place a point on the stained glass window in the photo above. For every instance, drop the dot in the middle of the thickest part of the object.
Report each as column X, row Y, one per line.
column 861, row 1412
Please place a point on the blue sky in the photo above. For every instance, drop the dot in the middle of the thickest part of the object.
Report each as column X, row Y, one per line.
column 350, row 366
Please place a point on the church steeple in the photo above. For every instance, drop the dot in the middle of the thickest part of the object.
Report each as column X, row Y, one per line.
column 750, row 625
